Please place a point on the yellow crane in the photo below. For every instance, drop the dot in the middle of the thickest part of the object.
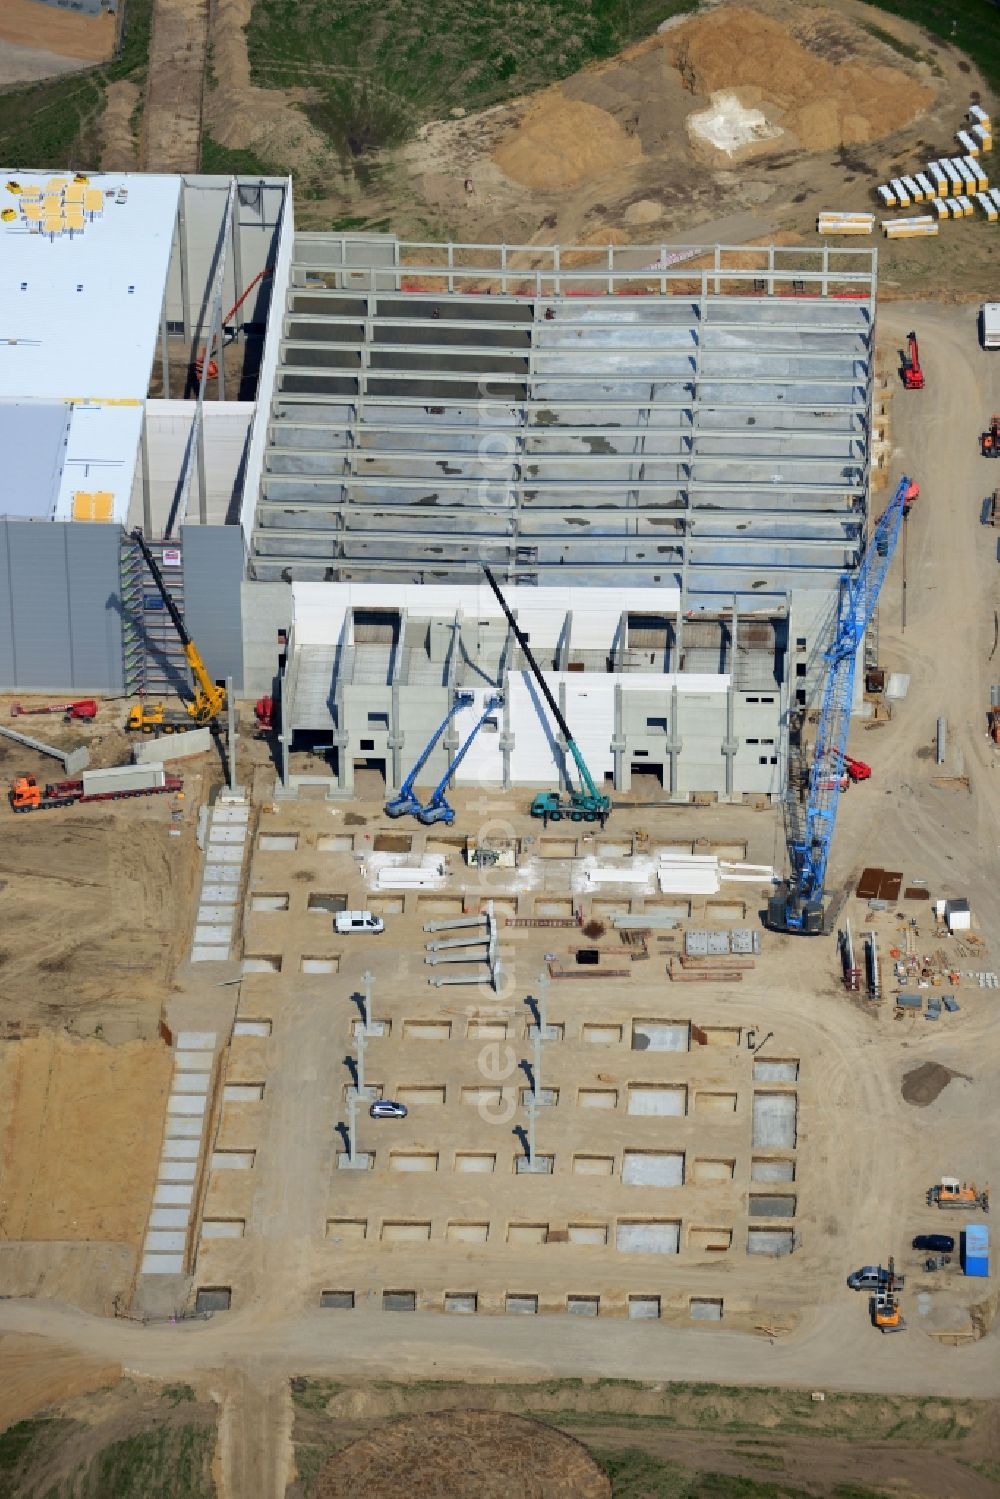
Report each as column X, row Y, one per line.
column 209, row 698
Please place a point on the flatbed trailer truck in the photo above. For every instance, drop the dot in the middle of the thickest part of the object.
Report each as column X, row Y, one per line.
column 28, row 795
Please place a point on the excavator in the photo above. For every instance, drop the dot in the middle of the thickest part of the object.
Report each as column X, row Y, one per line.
column 209, row 698
column 885, row 1312
column 585, row 803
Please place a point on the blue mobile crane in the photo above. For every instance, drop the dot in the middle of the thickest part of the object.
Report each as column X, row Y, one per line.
column 585, row 803
column 404, row 803
column 436, row 808
column 798, row 906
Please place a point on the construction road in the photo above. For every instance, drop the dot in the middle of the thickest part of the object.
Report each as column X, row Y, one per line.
column 878, row 1149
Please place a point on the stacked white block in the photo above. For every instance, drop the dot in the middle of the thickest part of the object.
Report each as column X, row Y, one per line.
column 221, row 880
column 163, row 1250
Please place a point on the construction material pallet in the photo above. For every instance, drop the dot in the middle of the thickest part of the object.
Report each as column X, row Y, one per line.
column 704, row 975
column 564, row 921
column 587, row 973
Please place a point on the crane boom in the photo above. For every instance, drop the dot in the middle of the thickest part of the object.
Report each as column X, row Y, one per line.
column 209, row 699
column 799, row 908
column 588, row 803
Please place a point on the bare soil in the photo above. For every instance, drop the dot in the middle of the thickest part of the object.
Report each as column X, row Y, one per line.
column 175, row 87
column 80, row 1124
column 95, row 900
column 38, row 1373
column 925, row 1083
column 25, row 23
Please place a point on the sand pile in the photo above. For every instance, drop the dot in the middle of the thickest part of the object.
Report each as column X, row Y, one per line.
column 561, row 142
column 824, row 104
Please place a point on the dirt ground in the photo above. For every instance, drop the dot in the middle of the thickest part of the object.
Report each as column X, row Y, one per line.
column 81, row 1124
column 90, row 895
column 38, row 1374
column 24, row 23
column 175, row 86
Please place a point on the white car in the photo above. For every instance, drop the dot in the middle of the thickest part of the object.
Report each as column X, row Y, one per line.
column 346, row 922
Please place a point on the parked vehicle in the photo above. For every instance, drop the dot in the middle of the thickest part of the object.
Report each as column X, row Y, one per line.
column 387, row 1108
column 29, row 795
column 871, row 1278
column 935, row 1243
column 346, row 922
column 989, row 325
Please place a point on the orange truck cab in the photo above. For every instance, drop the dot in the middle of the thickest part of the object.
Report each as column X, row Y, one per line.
column 25, row 792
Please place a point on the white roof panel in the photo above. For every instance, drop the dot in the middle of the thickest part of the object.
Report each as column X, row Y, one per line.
column 83, row 267
column 81, row 308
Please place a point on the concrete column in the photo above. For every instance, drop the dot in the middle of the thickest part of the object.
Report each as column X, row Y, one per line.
column 622, row 772
column 674, row 742
column 147, row 506
column 562, row 649
column 395, row 741
column 506, row 739
column 730, row 744
column 183, row 257
column 561, row 741
column 164, row 352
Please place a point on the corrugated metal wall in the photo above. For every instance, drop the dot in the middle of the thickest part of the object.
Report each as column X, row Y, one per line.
column 213, row 576
column 60, row 610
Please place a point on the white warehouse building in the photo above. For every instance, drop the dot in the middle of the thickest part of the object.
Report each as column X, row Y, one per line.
column 662, row 455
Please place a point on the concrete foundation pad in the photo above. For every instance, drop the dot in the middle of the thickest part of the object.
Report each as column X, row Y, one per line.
column 162, row 1264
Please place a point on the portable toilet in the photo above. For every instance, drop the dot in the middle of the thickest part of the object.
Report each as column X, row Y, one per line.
column 976, row 1249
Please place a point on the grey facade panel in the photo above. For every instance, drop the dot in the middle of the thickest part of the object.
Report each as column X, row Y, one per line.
column 213, row 577
column 93, row 558
column 59, row 607
column 7, row 673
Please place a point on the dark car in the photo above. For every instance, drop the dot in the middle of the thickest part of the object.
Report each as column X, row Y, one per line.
column 386, row 1108
column 935, row 1243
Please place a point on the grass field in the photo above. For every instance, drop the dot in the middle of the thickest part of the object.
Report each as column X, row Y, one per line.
column 46, row 1459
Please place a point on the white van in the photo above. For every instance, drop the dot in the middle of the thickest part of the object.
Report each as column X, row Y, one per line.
column 357, row 921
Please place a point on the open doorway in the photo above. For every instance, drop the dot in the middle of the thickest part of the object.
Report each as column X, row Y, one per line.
column 646, row 776
column 369, row 778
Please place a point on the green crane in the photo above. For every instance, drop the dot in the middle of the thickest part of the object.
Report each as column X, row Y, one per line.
column 585, row 803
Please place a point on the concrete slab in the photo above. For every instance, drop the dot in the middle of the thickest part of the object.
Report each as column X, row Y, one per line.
column 649, row 1168
column 774, row 1121
column 195, row 1040
column 189, row 1082
column 214, row 936
column 164, row 1241
column 177, row 1171
column 222, row 853
column 193, row 1061
column 243, row 1092
column 162, row 1264
column 172, row 747
column 173, row 1194
column 663, row 1099
column 219, row 873
column 216, row 915
column 180, row 1150
column 184, row 1129
column 221, row 895
column 220, row 833
column 231, row 812
column 647, row 1238
column 232, row 1160
column 186, row 1103
column 204, row 954
column 169, row 1218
